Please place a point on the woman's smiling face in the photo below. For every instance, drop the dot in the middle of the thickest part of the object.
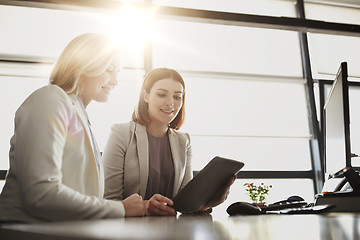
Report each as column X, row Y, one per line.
column 98, row 88
column 164, row 100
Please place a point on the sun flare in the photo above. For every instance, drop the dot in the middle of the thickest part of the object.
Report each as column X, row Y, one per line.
column 131, row 27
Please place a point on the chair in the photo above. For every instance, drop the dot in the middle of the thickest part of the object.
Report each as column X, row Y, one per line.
column 3, row 174
column 2, row 178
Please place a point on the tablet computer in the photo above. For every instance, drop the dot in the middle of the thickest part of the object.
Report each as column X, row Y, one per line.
column 205, row 184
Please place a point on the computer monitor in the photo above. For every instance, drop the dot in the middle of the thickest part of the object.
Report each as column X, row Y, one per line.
column 337, row 152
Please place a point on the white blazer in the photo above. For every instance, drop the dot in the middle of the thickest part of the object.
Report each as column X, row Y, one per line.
column 53, row 174
column 126, row 160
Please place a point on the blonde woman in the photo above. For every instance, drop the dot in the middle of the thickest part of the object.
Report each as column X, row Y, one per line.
column 55, row 171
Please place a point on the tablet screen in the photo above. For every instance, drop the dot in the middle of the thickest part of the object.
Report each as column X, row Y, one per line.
column 205, row 184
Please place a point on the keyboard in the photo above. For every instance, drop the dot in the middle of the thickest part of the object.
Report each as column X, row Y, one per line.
column 307, row 209
column 283, row 205
column 295, row 208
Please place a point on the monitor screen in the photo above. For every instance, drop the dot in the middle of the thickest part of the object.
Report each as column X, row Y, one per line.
column 337, row 124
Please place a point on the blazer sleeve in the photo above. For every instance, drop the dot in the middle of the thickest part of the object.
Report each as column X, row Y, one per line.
column 41, row 126
column 113, row 160
column 188, row 168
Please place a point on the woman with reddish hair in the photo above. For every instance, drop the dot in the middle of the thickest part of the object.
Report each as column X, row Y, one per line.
column 149, row 155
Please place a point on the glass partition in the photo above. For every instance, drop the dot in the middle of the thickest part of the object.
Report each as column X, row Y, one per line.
column 221, row 48
column 14, row 93
column 324, row 11
column 328, row 51
column 261, row 123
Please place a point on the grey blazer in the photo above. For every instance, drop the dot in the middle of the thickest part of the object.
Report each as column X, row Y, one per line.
column 53, row 174
column 126, row 160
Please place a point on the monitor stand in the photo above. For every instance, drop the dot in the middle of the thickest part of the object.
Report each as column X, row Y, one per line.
column 343, row 201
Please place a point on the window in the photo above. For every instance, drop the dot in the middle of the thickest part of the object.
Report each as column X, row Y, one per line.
column 246, row 93
column 328, row 51
column 325, row 11
column 238, row 118
column 33, row 35
column 268, row 7
column 15, row 92
column 200, row 47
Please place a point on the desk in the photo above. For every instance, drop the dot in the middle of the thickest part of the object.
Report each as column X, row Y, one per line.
column 278, row 227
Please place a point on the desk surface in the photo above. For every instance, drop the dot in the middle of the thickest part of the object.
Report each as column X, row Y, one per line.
column 277, row 227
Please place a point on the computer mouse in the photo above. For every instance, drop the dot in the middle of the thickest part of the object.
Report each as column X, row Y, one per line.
column 243, row 208
column 295, row 198
column 289, row 200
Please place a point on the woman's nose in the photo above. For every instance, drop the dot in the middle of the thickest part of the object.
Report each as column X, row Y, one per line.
column 114, row 80
column 170, row 101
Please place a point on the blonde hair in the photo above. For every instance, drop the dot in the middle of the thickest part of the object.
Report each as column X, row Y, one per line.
column 141, row 113
column 86, row 55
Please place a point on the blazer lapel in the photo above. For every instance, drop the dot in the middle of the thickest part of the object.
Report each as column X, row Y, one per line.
column 80, row 113
column 177, row 152
column 143, row 153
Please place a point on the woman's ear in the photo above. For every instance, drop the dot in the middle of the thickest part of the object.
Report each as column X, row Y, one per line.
column 146, row 97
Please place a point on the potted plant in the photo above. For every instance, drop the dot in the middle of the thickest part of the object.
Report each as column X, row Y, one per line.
column 257, row 193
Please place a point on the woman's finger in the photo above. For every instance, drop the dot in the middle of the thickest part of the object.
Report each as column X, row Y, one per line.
column 158, row 205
